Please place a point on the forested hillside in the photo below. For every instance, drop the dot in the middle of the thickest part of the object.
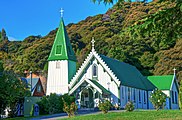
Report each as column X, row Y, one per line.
column 146, row 35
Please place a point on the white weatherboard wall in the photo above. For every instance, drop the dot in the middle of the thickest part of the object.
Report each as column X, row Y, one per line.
column 57, row 77
column 103, row 79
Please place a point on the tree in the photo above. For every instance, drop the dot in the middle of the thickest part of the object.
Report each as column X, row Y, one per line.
column 3, row 35
column 12, row 90
column 158, row 99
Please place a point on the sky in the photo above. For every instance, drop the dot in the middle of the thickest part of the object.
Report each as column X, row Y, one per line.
column 22, row 18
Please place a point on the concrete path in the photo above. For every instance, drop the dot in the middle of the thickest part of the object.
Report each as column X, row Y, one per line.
column 64, row 115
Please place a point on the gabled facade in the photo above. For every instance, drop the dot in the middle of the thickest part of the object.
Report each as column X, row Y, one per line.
column 168, row 84
column 35, row 86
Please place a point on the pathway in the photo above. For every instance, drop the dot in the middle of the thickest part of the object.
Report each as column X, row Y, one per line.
column 64, row 115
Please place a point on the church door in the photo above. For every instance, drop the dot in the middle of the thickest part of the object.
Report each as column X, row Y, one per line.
column 87, row 98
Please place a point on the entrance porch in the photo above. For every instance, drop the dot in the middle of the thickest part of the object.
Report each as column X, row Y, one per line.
column 89, row 93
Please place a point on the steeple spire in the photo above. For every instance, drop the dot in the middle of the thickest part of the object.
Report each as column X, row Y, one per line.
column 62, row 48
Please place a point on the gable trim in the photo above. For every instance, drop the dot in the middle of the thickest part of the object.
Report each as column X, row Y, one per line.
column 82, row 81
column 86, row 62
column 175, row 82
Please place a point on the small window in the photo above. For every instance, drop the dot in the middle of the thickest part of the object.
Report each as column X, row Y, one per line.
column 57, row 65
column 123, row 92
column 144, row 97
column 139, row 96
column 96, row 95
column 176, row 97
column 94, row 70
column 38, row 88
column 58, row 49
column 134, row 97
column 129, row 94
column 172, row 97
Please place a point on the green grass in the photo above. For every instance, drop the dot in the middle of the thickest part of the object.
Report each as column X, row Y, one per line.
column 136, row 115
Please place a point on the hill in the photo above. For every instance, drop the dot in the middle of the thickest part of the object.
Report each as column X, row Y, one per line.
column 146, row 35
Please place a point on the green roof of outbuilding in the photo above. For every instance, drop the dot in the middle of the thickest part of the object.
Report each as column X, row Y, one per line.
column 128, row 74
column 100, row 86
column 162, row 82
column 62, row 49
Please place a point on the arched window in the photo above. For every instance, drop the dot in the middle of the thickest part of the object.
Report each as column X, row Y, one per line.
column 144, row 97
column 94, row 70
column 129, row 93
column 139, row 96
column 134, row 97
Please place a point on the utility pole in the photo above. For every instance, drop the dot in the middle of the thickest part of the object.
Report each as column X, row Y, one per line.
column 31, row 81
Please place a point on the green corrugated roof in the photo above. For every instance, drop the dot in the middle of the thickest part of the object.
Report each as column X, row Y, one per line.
column 100, row 86
column 62, row 49
column 128, row 74
column 162, row 82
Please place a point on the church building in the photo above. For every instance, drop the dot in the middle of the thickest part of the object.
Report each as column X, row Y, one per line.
column 101, row 77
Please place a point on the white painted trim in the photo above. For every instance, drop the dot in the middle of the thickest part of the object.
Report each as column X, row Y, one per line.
column 86, row 62
column 172, row 82
column 80, row 70
column 80, row 82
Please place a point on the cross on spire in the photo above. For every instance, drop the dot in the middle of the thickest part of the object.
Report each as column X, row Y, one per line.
column 93, row 41
column 61, row 11
column 174, row 71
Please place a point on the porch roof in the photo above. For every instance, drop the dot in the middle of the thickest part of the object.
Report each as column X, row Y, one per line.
column 93, row 83
column 100, row 86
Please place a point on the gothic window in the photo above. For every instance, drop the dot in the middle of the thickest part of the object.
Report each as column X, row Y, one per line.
column 176, row 98
column 94, row 70
column 38, row 88
column 144, row 97
column 134, row 97
column 172, row 97
column 57, row 65
column 139, row 96
column 129, row 94
column 96, row 95
column 123, row 92
column 58, row 49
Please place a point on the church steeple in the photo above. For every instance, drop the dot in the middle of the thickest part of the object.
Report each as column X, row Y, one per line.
column 62, row 49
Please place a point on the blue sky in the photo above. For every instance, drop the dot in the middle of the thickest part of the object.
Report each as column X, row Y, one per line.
column 22, row 18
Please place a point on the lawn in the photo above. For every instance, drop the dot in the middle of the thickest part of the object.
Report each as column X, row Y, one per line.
column 136, row 115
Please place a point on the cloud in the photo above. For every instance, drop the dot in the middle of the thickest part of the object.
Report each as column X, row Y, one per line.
column 12, row 39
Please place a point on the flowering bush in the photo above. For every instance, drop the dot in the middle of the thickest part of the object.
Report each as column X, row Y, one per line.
column 70, row 109
column 158, row 99
column 105, row 106
column 129, row 106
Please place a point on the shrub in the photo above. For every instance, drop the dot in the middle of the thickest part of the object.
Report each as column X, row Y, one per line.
column 70, row 109
column 105, row 106
column 53, row 103
column 158, row 99
column 129, row 106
